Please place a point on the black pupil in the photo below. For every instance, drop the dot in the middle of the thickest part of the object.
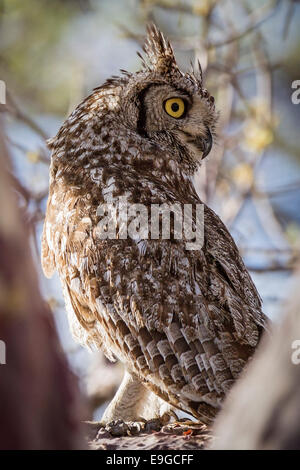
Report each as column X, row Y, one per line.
column 174, row 107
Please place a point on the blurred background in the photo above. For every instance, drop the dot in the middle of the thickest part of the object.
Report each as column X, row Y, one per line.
column 53, row 53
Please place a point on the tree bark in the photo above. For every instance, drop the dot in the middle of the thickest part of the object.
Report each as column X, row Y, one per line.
column 40, row 405
column 263, row 409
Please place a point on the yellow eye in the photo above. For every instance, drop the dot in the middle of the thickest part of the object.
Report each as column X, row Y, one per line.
column 175, row 107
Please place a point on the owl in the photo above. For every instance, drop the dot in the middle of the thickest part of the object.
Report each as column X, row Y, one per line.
column 184, row 322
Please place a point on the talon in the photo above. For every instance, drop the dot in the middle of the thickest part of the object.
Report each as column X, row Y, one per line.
column 154, row 425
column 135, row 428
column 117, row 428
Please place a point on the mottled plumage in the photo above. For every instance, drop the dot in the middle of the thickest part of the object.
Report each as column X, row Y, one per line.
column 184, row 323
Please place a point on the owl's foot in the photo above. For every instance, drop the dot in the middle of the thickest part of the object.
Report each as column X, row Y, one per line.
column 187, row 428
column 119, row 427
column 134, row 410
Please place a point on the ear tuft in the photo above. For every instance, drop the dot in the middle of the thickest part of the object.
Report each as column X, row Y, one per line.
column 159, row 51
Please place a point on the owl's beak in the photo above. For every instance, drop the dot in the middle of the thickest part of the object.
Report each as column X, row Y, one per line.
column 206, row 144
column 203, row 144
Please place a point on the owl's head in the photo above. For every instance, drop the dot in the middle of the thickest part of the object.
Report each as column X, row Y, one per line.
column 162, row 103
column 159, row 105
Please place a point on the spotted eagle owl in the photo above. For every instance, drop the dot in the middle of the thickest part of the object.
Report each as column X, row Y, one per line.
column 184, row 322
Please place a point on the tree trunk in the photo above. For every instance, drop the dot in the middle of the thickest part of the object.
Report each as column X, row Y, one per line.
column 263, row 409
column 40, row 406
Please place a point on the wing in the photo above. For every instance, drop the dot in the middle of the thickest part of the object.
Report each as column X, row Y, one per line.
column 47, row 254
column 185, row 322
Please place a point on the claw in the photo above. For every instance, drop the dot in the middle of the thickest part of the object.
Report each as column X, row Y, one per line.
column 119, row 428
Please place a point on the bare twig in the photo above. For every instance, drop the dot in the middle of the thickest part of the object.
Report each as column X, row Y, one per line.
column 13, row 108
